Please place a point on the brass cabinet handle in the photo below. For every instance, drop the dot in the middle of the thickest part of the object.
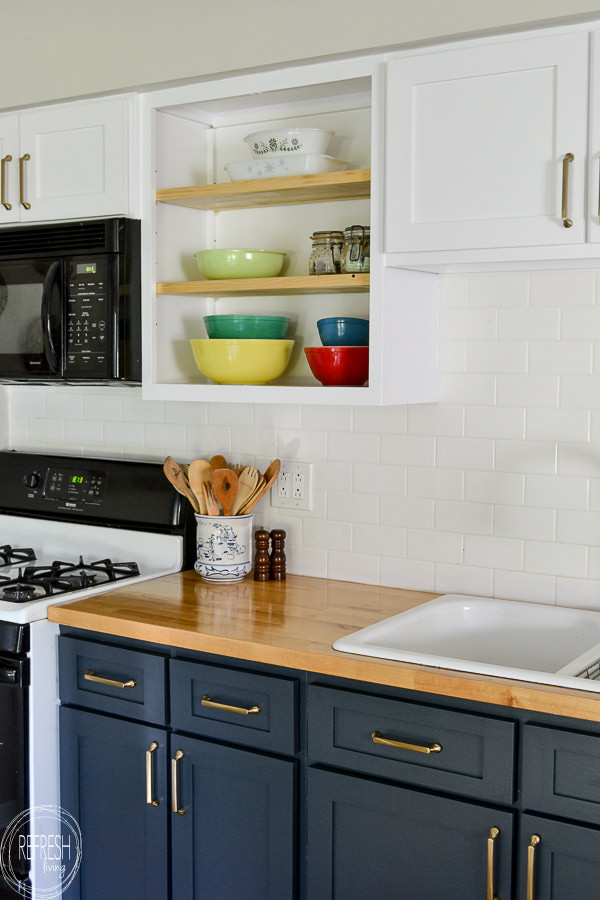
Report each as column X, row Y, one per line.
column 3, row 200
column 533, row 843
column 150, row 798
column 241, row 710
column 418, row 748
column 22, row 200
column 174, row 785
column 567, row 160
column 91, row 676
column 494, row 832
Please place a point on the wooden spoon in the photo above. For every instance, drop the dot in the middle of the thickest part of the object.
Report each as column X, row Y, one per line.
column 218, row 462
column 200, row 472
column 269, row 478
column 178, row 479
column 211, row 504
column 247, row 481
column 225, row 486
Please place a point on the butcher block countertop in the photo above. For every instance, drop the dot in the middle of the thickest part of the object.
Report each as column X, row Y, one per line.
column 293, row 623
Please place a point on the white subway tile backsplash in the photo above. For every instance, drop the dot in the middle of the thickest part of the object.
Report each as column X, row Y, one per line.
column 494, row 490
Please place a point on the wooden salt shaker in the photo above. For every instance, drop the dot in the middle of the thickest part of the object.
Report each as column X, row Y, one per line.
column 261, row 556
column 277, row 554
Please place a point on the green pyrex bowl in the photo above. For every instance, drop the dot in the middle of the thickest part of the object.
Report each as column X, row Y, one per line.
column 239, row 263
column 243, row 326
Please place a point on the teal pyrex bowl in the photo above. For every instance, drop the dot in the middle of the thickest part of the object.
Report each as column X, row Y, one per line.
column 246, row 326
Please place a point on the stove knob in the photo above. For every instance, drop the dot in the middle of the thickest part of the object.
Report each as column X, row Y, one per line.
column 32, row 480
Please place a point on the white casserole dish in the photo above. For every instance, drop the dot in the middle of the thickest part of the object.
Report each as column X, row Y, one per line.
column 273, row 167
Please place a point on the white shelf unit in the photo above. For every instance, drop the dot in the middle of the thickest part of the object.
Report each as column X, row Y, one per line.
column 189, row 133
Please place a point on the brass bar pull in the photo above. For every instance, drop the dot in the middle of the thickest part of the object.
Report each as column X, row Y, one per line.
column 22, row 199
column 3, row 200
column 418, row 748
column 241, row 710
column 174, row 785
column 567, row 159
column 494, row 832
column 91, row 676
column 150, row 798
column 534, row 842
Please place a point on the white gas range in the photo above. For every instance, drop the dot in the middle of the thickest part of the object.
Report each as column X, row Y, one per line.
column 69, row 527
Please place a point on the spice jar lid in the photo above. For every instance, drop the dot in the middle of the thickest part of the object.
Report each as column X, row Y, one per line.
column 359, row 229
column 324, row 235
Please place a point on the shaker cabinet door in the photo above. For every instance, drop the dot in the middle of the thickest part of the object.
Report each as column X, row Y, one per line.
column 77, row 160
column 370, row 839
column 558, row 861
column 113, row 782
column 233, row 823
column 478, row 141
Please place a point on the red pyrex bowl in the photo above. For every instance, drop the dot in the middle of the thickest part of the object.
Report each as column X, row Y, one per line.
column 339, row 366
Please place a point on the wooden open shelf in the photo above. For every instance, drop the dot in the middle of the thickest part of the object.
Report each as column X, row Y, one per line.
column 352, row 185
column 294, row 284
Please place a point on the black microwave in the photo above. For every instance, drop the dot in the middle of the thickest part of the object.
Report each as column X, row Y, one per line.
column 70, row 302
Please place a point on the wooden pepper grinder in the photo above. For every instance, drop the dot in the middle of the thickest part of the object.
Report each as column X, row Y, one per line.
column 277, row 554
column 261, row 556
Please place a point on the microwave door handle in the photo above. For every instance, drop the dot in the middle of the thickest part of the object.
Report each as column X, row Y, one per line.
column 50, row 281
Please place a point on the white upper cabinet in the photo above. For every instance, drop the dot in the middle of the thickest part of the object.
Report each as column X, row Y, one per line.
column 190, row 134
column 66, row 161
column 487, row 148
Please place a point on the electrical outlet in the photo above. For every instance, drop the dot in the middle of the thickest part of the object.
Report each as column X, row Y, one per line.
column 292, row 488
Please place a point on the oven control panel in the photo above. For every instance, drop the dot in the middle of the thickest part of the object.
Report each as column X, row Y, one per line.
column 74, row 486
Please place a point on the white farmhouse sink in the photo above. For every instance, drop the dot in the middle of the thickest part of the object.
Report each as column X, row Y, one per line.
column 507, row 638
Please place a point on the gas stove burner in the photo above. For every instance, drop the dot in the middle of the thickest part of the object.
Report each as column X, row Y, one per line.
column 10, row 556
column 19, row 592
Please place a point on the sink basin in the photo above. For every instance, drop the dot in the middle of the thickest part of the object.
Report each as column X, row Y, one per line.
column 507, row 638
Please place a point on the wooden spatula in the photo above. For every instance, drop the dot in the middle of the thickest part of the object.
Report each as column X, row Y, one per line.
column 267, row 480
column 200, row 472
column 225, row 486
column 247, row 481
column 179, row 481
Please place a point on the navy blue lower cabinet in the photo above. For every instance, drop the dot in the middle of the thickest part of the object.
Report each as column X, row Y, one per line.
column 558, row 860
column 113, row 781
column 371, row 839
column 233, row 832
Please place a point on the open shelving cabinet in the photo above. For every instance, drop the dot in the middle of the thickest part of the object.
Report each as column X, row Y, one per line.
column 191, row 133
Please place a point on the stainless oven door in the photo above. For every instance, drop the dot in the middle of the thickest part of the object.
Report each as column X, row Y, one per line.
column 13, row 768
column 31, row 320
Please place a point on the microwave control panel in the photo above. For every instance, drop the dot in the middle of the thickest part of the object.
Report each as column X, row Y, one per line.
column 88, row 318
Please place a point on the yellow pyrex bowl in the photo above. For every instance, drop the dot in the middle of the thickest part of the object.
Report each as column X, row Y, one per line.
column 239, row 361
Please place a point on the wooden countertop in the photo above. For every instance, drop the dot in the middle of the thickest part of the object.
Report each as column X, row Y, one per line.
column 293, row 623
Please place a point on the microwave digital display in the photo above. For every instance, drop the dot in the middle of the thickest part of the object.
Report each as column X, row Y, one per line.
column 86, row 268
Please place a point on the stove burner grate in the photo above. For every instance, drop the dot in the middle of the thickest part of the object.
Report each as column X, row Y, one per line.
column 35, row 582
column 10, row 556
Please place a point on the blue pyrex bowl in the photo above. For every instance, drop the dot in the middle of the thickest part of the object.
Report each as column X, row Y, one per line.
column 343, row 331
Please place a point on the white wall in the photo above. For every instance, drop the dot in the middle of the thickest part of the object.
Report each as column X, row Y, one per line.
column 495, row 490
column 69, row 48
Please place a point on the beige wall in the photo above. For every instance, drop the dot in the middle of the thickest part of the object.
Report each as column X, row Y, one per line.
column 67, row 48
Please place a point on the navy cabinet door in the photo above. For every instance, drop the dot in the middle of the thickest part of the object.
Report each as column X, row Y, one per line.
column 233, row 837
column 369, row 839
column 104, row 786
column 564, row 860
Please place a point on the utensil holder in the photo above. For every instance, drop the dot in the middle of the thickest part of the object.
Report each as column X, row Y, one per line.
column 223, row 547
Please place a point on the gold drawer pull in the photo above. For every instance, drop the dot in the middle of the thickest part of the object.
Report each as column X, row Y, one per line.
column 5, row 159
column 400, row 745
column 535, row 840
column 494, row 832
column 567, row 159
column 241, row 710
column 150, row 798
column 180, row 810
column 22, row 199
column 91, row 676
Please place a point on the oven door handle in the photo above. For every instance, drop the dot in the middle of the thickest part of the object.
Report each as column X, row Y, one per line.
column 51, row 280
column 12, row 673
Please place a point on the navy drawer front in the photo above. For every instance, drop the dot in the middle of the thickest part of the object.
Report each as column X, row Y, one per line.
column 468, row 754
column 234, row 705
column 561, row 773
column 113, row 680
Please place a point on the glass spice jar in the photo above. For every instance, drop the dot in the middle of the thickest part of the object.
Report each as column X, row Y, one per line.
column 356, row 249
column 326, row 253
